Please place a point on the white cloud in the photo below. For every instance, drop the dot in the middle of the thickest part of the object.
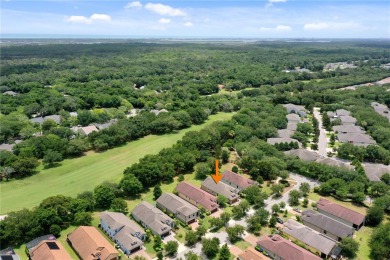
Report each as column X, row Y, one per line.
column 271, row 2
column 100, row 17
column 164, row 20
column 78, row 19
column 91, row 19
column 330, row 26
column 188, row 24
column 164, row 10
column 279, row 28
column 135, row 4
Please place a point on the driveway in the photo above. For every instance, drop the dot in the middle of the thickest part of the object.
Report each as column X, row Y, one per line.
column 322, row 141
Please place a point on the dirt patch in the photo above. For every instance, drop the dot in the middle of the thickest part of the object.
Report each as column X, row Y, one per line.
column 235, row 250
column 194, row 225
column 384, row 81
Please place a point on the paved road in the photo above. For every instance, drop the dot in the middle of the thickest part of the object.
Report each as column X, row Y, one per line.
column 322, row 142
column 299, row 179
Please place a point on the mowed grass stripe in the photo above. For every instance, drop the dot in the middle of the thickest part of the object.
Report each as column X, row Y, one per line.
column 85, row 173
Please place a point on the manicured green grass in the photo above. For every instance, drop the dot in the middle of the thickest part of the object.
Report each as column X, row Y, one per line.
column 85, row 173
column 362, row 237
column 242, row 244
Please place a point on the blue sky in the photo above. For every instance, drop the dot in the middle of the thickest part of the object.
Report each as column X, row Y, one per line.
column 253, row 19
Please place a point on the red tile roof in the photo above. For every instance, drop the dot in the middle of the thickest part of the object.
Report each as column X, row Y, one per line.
column 340, row 211
column 206, row 200
column 237, row 179
column 285, row 249
column 251, row 254
column 49, row 250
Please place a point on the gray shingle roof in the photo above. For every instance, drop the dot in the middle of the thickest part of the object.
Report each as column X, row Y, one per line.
column 342, row 112
column 326, row 223
column 176, row 204
column 157, row 220
column 347, row 120
column 292, row 126
column 348, row 129
column 334, row 163
column 285, row 133
column 356, row 139
column 125, row 238
column 375, row 171
column 303, row 154
column 293, row 118
column 116, row 220
column 220, row 188
column 238, row 179
column 309, row 236
column 277, row 140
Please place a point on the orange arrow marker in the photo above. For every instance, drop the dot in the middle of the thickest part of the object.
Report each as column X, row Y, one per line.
column 217, row 176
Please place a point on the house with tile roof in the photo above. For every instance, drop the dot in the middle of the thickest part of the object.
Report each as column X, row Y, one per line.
column 251, row 254
column 153, row 218
column 125, row 232
column 197, row 197
column 178, row 207
column 341, row 213
column 237, row 181
column 86, row 130
column 49, row 250
column 326, row 225
column 280, row 248
column 89, row 243
column 325, row 246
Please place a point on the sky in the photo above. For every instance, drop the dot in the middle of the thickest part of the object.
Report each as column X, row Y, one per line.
column 206, row 19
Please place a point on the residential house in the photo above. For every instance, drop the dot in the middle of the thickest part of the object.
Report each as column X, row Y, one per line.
column 374, row 171
column 152, row 218
column 303, row 154
column 86, row 130
column 125, row 232
column 7, row 147
column 157, row 112
column 291, row 108
column 342, row 112
column 357, row 139
column 341, row 213
column 335, row 163
column 55, row 118
column 237, row 181
column 347, row 120
column 383, row 110
column 197, row 197
column 285, row 133
column 322, row 244
column 106, row 125
column 49, row 250
column 220, row 188
column 89, row 243
column 181, row 209
column 8, row 254
column 277, row 140
column 279, row 248
column 292, row 126
column 40, row 120
column 251, row 254
column 33, row 243
column 326, row 225
column 293, row 118
column 347, row 129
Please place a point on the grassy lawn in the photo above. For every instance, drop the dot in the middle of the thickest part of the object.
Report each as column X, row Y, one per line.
column 242, row 244
column 85, row 173
column 355, row 207
column 362, row 237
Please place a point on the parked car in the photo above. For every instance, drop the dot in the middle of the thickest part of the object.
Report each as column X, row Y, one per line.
column 279, row 220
